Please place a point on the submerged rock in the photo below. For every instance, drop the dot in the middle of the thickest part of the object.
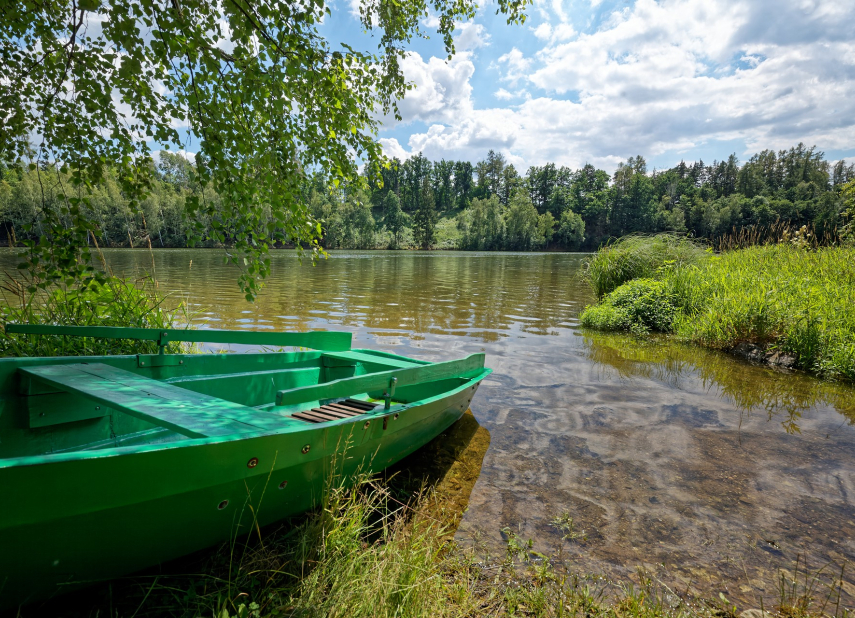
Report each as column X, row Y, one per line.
column 764, row 354
column 750, row 351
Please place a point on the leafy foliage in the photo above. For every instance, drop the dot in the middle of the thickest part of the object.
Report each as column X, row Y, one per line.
column 424, row 219
column 571, row 230
column 847, row 192
column 482, row 225
column 394, row 219
column 634, row 257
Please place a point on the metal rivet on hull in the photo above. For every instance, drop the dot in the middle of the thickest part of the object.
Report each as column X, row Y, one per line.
column 252, row 462
column 283, row 484
column 222, row 505
column 306, row 449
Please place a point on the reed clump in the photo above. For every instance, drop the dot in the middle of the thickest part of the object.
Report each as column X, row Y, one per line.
column 640, row 256
column 115, row 302
column 793, row 300
column 790, row 297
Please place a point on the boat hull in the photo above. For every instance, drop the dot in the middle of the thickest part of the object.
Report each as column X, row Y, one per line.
column 79, row 518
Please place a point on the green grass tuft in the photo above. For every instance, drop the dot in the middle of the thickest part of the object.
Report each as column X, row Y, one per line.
column 636, row 257
column 798, row 301
column 640, row 305
column 119, row 302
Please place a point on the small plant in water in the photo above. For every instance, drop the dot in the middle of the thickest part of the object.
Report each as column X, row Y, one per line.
column 564, row 523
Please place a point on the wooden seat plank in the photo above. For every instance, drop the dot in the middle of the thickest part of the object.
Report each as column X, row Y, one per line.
column 185, row 412
column 364, row 357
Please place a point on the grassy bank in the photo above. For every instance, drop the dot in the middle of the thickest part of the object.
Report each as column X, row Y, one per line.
column 118, row 302
column 786, row 297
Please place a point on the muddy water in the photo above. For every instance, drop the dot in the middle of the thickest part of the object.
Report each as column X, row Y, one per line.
column 708, row 472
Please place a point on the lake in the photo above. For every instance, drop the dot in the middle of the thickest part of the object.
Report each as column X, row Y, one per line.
column 710, row 473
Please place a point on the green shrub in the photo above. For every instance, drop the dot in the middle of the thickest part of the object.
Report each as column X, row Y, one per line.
column 635, row 257
column 119, row 302
column 638, row 305
column 606, row 317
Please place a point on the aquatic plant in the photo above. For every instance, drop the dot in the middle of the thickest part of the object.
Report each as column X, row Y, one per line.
column 640, row 256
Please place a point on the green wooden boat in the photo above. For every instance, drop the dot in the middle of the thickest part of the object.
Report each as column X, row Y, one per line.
column 111, row 464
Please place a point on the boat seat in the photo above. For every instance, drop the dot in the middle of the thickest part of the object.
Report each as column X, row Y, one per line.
column 346, row 408
column 371, row 359
column 186, row 412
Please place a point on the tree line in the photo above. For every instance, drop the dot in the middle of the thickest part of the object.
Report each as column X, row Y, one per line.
column 490, row 205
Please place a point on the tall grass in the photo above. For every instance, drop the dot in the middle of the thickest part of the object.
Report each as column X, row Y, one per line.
column 639, row 256
column 793, row 297
column 117, row 302
column 798, row 301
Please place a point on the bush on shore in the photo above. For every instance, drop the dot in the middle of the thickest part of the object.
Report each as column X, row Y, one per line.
column 640, row 305
column 784, row 296
column 639, row 256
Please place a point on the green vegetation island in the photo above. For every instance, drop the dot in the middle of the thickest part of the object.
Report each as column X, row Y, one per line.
column 788, row 303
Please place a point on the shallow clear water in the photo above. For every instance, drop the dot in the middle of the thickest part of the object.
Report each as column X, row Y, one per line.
column 711, row 473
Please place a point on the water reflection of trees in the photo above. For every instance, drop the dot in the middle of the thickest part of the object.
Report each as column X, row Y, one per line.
column 472, row 296
column 485, row 297
column 750, row 388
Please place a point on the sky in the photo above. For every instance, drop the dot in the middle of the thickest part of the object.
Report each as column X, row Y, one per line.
column 598, row 81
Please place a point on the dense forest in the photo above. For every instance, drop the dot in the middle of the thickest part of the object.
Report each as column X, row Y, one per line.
column 486, row 206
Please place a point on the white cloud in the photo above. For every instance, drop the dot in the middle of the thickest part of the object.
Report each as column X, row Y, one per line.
column 393, row 149
column 469, row 35
column 442, row 90
column 561, row 32
column 656, row 77
column 517, row 65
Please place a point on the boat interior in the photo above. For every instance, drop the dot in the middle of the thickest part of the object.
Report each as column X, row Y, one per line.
column 67, row 404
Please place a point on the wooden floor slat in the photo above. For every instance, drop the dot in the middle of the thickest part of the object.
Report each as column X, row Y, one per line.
column 304, row 417
column 347, row 408
column 360, row 404
column 331, row 412
column 343, row 409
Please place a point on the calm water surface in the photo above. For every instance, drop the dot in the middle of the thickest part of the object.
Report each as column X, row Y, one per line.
column 707, row 471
